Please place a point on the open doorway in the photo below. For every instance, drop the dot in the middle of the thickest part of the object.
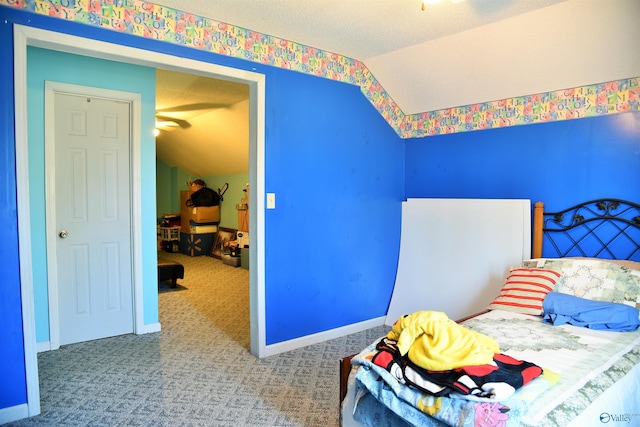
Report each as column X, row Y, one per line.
column 27, row 36
column 202, row 131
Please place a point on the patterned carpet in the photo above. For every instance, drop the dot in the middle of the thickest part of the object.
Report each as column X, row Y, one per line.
column 198, row 371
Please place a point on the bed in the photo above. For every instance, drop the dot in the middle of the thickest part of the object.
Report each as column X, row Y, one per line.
column 581, row 334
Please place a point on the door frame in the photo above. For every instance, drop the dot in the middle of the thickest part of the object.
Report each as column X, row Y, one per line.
column 28, row 36
column 135, row 101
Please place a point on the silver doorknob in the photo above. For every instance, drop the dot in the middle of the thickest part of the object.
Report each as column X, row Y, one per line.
column 63, row 234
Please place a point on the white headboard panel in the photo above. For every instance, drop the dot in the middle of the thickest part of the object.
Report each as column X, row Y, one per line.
column 455, row 253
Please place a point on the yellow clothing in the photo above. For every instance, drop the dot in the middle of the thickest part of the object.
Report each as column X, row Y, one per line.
column 435, row 342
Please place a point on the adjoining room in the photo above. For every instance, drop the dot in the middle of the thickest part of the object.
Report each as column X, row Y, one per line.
column 202, row 193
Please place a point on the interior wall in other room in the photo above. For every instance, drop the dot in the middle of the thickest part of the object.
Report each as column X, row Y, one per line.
column 173, row 180
column 166, row 202
column 80, row 70
column 237, row 183
column 559, row 163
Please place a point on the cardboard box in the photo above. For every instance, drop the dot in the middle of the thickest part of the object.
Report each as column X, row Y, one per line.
column 196, row 244
column 202, row 228
column 199, row 215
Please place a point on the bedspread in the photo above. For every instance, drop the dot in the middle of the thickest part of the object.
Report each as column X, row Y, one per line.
column 579, row 364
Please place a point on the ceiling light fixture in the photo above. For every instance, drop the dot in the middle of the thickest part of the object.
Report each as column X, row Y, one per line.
column 426, row 2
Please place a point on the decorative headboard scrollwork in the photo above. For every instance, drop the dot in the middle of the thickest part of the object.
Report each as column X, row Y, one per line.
column 602, row 228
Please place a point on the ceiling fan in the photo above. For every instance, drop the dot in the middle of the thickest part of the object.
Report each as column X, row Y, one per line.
column 169, row 119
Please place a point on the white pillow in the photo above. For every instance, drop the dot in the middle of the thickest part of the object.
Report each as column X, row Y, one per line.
column 595, row 279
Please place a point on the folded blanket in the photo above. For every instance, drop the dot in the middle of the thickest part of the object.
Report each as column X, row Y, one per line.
column 559, row 308
column 435, row 342
column 423, row 409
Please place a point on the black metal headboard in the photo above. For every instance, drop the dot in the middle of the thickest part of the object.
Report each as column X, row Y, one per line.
column 602, row 228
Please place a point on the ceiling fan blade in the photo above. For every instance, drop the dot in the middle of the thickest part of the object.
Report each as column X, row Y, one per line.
column 179, row 122
column 166, row 124
column 166, row 128
column 193, row 107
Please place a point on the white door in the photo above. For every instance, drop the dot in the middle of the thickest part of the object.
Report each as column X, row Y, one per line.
column 92, row 192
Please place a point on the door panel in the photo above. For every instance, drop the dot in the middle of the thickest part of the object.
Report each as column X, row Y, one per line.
column 93, row 222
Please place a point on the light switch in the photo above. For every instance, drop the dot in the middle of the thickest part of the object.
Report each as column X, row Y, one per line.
column 271, row 200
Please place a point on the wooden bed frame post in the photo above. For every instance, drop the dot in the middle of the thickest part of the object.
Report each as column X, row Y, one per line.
column 538, row 214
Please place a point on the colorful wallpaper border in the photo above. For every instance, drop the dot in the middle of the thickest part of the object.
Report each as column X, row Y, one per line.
column 157, row 22
column 593, row 100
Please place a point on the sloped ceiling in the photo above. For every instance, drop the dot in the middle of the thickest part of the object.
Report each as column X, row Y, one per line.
column 455, row 52
column 212, row 117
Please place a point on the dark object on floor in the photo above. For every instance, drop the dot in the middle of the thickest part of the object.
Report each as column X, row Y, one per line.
column 172, row 246
column 233, row 261
column 170, row 270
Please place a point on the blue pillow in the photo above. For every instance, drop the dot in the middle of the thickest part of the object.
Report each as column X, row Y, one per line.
column 559, row 308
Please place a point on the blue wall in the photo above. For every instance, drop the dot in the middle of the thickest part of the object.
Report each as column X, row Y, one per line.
column 337, row 170
column 12, row 364
column 559, row 163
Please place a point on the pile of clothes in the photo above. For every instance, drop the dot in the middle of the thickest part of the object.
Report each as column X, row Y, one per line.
column 430, row 352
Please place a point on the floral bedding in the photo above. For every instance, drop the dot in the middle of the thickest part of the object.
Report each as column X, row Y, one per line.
column 595, row 279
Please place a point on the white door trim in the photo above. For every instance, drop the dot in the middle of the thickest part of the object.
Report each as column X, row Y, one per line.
column 135, row 100
column 27, row 36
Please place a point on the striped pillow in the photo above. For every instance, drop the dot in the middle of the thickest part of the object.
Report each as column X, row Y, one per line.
column 524, row 290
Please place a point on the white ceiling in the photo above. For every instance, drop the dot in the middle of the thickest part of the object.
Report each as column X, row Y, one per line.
column 359, row 29
column 455, row 52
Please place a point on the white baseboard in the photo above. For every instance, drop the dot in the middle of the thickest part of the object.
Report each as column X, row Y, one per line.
column 43, row 346
column 296, row 343
column 148, row 329
column 280, row 347
column 14, row 413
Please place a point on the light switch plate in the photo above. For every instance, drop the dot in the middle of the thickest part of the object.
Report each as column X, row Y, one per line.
column 271, row 200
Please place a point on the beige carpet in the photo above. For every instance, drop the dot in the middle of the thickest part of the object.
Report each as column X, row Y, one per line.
column 217, row 298
column 198, row 371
